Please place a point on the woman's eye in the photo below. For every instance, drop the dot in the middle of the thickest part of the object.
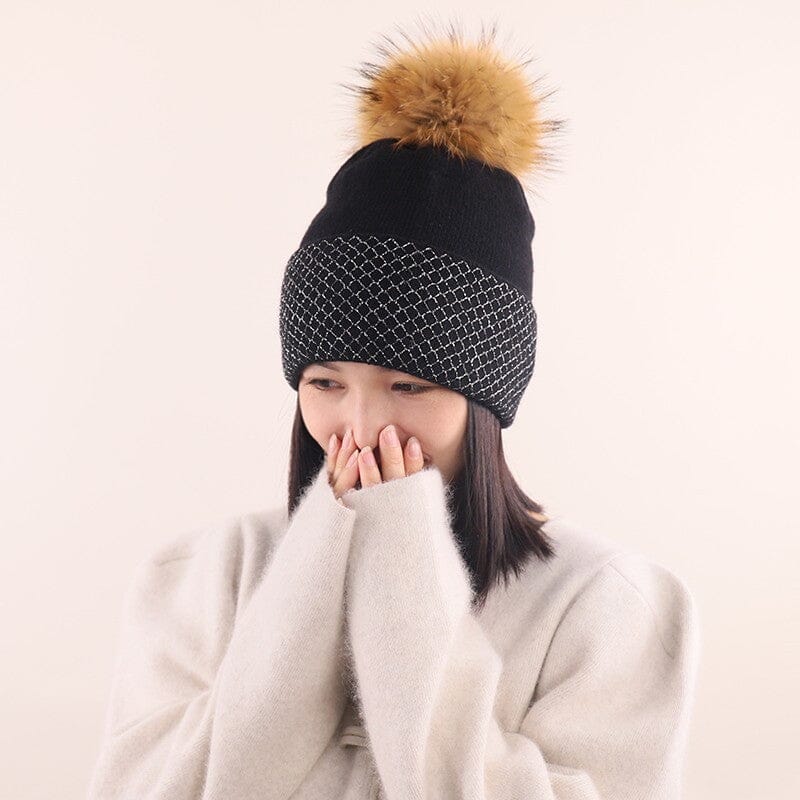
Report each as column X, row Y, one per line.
column 316, row 381
column 413, row 388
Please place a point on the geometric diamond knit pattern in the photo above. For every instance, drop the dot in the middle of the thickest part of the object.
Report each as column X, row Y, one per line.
column 381, row 301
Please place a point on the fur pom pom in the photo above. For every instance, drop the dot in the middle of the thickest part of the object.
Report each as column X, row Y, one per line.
column 467, row 98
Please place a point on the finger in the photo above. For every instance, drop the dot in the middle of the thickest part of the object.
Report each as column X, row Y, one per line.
column 415, row 461
column 333, row 451
column 347, row 476
column 392, row 461
column 370, row 474
column 345, row 451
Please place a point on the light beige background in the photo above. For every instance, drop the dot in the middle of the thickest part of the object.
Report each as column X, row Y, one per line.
column 160, row 161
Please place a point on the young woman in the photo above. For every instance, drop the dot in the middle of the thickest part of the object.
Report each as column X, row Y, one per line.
column 411, row 624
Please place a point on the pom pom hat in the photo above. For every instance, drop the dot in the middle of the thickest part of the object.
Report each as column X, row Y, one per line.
column 420, row 260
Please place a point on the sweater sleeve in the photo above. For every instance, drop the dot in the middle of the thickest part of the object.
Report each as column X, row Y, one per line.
column 217, row 698
column 608, row 717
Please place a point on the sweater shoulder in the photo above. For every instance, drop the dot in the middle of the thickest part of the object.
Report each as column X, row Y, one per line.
column 580, row 554
column 583, row 552
column 225, row 555
column 221, row 533
column 589, row 563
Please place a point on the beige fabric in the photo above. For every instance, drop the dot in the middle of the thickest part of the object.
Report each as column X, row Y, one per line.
column 334, row 656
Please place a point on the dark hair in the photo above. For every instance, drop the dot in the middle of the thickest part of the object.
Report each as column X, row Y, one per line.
column 489, row 511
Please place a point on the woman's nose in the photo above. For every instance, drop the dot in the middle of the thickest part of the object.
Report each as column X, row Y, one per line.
column 362, row 439
column 369, row 436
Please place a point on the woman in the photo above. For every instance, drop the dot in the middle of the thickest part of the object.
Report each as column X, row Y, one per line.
column 411, row 625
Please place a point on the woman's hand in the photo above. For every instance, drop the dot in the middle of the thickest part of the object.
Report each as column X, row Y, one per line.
column 347, row 464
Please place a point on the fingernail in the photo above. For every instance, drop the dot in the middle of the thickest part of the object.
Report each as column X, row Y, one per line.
column 331, row 443
column 414, row 447
column 391, row 436
column 369, row 458
column 353, row 458
column 347, row 438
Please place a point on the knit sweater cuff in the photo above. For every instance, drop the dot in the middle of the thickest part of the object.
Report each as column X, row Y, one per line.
column 407, row 601
column 404, row 523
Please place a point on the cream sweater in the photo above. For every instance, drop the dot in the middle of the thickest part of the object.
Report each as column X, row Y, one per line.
column 334, row 656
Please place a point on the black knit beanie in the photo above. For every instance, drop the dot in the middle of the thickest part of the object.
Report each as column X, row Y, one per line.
column 420, row 260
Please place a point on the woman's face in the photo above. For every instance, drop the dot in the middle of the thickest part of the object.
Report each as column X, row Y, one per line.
column 337, row 395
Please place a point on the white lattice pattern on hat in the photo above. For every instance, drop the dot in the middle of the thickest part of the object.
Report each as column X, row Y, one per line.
column 376, row 300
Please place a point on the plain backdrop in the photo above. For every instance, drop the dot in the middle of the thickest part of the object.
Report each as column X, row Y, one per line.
column 159, row 163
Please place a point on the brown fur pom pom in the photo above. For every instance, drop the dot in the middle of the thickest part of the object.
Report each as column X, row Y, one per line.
column 467, row 98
